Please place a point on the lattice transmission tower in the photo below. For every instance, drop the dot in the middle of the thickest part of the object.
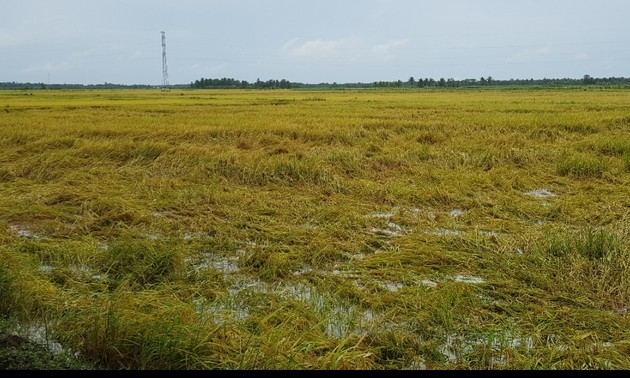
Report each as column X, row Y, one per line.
column 164, row 67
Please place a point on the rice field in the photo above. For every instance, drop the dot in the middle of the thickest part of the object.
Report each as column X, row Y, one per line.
column 338, row 230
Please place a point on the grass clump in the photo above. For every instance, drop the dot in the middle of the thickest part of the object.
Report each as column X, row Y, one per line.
column 583, row 167
column 588, row 263
column 143, row 262
column 17, row 352
column 626, row 161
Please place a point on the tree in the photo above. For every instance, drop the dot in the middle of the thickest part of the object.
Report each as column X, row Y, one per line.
column 588, row 80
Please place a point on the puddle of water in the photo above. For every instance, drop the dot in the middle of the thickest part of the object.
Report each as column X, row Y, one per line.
column 455, row 213
column 449, row 348
column 23, row 232
column 383, row 215
column 353, row 256
column 153, row 236
column 230, row 307
column 459, row 345
column 429, row 283
column 394, row 226
column 444, row 231
column 341, row 318
column 525, row 342
column 344, row 273
column 251, row 244
column 165, row 214
column 192, row 235
column 393, row 286
column 39, row 335
column 417, row 365
column 489, row 233
column 392, row 229
column 344, row 320
column 383, row 231
column 225, row 265
column 358, row 256
column 541, row 193
column 82, row 271
column 386, row 214
column 468, row 279
column 304, row 270
column 221, row 311
column 86, row 272
column 209, row 260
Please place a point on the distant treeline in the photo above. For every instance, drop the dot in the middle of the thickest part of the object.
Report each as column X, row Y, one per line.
column 234, row 83
column 15, row 85
column 230, row 83
column 226, row 83
column 491, row 82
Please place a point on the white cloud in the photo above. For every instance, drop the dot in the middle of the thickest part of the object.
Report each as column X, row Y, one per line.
column 582, row 56
column 320, row 48
column 48, row 67
column 385, row 51
column 530, row 55
column 349, row 49
column 21, row 37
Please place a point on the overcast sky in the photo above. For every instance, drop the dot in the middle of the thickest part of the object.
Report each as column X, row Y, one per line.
column 119, row 41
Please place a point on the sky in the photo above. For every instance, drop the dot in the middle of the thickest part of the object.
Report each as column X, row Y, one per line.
column 342, row 41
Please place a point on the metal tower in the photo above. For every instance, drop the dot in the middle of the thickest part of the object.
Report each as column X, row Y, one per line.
column 164, row 68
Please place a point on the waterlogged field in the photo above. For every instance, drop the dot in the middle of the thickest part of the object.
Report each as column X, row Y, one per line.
column 318, row 230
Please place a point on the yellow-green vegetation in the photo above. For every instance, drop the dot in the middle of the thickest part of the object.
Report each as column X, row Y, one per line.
column 471, row 229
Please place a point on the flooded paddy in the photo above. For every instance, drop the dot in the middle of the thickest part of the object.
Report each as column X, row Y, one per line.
column 373, row 230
